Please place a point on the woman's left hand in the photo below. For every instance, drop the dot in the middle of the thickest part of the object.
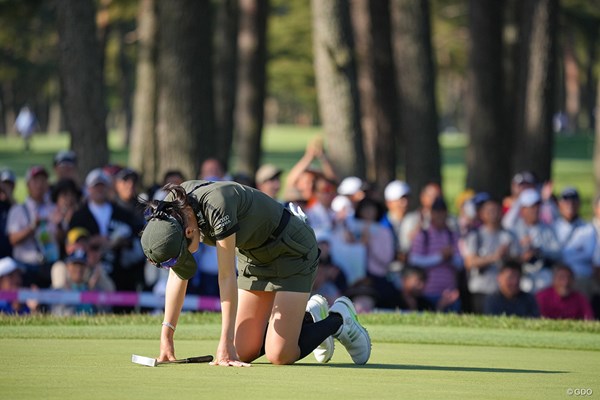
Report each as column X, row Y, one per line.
column 227, row 356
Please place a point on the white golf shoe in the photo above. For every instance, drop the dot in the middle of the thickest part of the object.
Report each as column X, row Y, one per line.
column 318, row 308
column 351, row 334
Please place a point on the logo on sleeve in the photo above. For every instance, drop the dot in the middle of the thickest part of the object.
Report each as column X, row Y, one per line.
column 222, row 223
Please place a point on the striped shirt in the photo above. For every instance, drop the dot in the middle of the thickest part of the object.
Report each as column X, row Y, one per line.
column 426, row 252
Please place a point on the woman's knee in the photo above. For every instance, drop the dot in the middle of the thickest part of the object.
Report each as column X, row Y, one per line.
column 282, row 356
column 248, row 354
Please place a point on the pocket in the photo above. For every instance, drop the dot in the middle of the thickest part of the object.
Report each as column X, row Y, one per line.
column 263, row 255
column 299, row 240
column 260, row 271
column 294, row 247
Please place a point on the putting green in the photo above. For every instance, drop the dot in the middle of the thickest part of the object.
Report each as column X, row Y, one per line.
column 93, row 362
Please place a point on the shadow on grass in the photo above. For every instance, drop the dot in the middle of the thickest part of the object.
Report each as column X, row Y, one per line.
column 446, row 368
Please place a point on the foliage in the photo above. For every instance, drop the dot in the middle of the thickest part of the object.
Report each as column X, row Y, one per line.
column 27, row 49
column 291, row 78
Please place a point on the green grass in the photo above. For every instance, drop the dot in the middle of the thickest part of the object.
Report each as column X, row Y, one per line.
column 283, row 145
column 432, row 356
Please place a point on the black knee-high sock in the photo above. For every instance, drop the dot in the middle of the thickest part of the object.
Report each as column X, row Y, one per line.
column 313, row 334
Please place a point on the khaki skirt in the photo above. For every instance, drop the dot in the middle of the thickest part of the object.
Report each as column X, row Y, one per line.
column 288, row 263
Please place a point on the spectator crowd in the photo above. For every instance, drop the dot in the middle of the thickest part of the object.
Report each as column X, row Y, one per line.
column 530, row 254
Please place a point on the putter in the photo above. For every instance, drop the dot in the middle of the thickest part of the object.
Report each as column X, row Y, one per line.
column 152, row 362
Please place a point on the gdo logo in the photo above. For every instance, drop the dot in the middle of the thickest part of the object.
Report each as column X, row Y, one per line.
column 580, row 392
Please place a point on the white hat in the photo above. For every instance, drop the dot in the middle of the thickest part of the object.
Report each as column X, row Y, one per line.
column 340, row 203
column 529, row 197
column 267, row 172
column 395, row 190
column 350, row 185
column 7, row 266
column 97, row 176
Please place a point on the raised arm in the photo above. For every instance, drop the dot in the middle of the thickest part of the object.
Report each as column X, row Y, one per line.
column 302, row 165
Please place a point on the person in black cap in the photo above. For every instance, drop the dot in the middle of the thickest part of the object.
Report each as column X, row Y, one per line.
column 435, row 249
column 65, row 165
column 264, row 311
column 577, row 239
column 7, row 185
column 126, row 189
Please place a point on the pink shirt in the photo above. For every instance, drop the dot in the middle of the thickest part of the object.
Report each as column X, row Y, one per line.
column 574, row 306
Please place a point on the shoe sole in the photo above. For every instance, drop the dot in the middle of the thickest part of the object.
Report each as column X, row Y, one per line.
column 347, row 302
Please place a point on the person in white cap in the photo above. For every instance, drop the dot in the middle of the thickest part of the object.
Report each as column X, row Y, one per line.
column 353, row 188
column 539, row 246
column 396, row 200
column 115, row 228
column 11, row 280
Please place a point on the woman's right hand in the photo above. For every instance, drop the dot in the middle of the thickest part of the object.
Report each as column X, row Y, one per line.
column 227, row 356
column 167, row 348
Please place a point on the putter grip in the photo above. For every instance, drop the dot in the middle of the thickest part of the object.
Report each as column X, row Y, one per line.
column 201, row 359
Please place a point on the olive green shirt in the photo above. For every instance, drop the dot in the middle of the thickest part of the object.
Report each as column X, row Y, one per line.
column 230, row 207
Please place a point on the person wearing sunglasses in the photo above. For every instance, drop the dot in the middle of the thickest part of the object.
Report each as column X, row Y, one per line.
column 265, row 306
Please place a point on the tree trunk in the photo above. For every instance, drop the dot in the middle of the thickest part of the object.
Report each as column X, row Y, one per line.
column 224, row 67
column 510, row 70
column 590, row 99
column 2, row 113
column 251, row 75
column 125, row 83
column 9, row 108
column 415, row 78
column 487, row 158
column 337, row 86
column 82, row 82
column 185, row 112
column 54, row 117
column 143, row 150
column 597, row 142
column 371, row 21
column 571, row 82
column 534, row 145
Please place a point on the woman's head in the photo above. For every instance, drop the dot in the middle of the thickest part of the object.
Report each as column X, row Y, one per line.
column 171, row 234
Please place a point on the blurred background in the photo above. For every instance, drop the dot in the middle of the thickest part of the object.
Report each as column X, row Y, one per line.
column 510, row 83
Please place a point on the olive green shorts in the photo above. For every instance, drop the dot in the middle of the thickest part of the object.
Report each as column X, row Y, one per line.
column 289, row 263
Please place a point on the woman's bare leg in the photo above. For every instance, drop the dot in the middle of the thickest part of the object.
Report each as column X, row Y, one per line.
column 254, row 310
column 285, row 324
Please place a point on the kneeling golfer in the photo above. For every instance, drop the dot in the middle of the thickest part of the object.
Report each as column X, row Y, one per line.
column 265, row 309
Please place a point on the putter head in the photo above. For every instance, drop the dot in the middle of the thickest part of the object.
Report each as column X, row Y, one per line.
column 147, row 361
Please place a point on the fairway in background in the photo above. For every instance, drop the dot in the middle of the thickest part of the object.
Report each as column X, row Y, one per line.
column 284, row 145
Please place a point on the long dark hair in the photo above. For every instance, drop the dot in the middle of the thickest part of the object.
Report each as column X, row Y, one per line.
column 160, row 209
